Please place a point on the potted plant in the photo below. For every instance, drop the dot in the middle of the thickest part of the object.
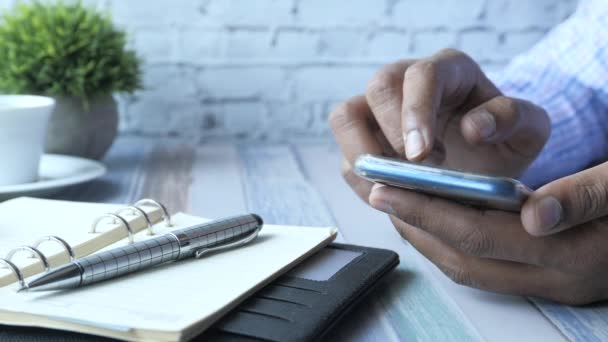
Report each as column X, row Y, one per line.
column 77, row 56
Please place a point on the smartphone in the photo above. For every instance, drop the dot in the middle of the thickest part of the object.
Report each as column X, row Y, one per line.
column 483, row 191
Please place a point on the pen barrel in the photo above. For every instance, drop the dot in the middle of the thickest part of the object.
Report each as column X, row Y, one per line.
column 216, row 233
column 131, row 258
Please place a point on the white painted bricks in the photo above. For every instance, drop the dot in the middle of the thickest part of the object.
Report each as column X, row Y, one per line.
column 275, row 68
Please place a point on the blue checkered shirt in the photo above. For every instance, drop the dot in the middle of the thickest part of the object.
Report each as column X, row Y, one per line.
column 566, row 73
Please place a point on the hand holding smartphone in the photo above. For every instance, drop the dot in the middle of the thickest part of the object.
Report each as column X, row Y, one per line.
column 491, row 192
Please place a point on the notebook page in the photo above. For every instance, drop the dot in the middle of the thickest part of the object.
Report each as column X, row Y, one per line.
column 25, row 219
column 175, row 296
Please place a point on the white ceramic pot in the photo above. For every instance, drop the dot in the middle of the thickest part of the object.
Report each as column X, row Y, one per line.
column 23, row 125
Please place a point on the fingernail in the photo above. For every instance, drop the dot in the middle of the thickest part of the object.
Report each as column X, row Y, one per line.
column 548, row 213
column 484, row 122
column 378, row 202
column 414, row 144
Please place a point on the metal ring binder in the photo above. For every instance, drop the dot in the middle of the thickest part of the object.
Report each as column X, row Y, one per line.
column 136, row 210
column 120, row 218
column 116, row 218
column 148, row 201
column 16, row 271
column 33, row 250
column 62, row 242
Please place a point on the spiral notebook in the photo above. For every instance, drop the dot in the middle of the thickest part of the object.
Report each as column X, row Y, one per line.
column 166, row 303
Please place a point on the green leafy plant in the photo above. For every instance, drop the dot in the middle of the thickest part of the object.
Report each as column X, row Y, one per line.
column 61, row 49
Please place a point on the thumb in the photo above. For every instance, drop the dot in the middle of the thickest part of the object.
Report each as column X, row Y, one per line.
column 567, row 202
column 522, row 125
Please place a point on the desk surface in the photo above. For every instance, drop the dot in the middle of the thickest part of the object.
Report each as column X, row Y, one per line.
column 300, row 184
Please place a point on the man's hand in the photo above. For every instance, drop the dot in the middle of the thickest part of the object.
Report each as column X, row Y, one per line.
column 490, row 249
column 445, row 110
column 442, row 109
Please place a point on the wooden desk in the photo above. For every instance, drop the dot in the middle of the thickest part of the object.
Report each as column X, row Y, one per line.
column 300, row 184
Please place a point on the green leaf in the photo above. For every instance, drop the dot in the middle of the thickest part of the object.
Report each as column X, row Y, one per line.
column 64, row 49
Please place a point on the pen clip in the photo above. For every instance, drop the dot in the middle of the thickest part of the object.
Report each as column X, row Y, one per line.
column 248, row 238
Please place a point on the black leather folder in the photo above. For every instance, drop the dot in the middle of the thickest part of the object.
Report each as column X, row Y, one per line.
column 306, row 303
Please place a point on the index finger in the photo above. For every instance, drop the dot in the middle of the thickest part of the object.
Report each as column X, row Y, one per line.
column 449, row 78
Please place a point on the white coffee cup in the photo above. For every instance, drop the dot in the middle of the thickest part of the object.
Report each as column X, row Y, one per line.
column 23, row 124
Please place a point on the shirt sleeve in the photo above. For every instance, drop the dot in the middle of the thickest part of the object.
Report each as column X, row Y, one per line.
column 566, row 73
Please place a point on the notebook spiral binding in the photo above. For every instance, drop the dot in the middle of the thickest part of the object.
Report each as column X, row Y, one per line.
column 134, row 209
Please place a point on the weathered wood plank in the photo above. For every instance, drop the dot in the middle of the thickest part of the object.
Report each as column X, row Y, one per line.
column 216, row 189
column 139, row 168
column 589, row 323
column 125, row 163
column 274, row 187
column 409, row 307
column 168, row 175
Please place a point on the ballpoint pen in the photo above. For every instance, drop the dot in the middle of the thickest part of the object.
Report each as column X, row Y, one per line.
column 179, row 244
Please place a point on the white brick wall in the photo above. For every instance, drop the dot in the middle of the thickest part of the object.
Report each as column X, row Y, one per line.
column 274, row 68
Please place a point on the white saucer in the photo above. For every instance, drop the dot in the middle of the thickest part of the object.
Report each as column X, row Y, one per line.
column 56, row 172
